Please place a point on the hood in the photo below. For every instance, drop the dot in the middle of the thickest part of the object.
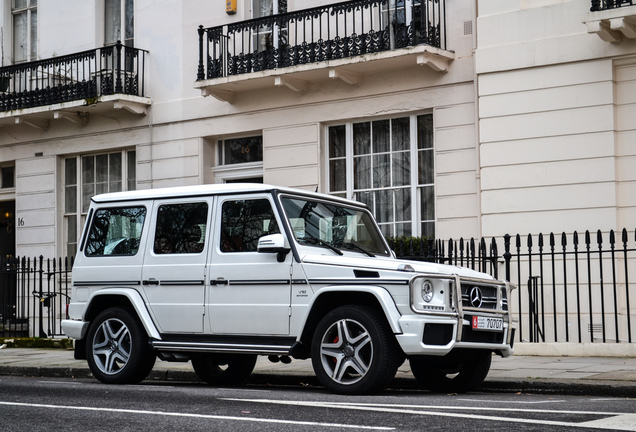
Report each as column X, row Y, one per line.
column 391, row 264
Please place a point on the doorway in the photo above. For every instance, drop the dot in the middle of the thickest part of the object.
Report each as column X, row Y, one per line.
column 7, row 230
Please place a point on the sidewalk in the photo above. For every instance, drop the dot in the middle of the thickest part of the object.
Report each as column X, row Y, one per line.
column 609, row 376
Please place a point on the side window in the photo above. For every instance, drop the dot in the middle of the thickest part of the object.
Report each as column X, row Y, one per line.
column 243, row 222
column 116, row 231
column 181, row 228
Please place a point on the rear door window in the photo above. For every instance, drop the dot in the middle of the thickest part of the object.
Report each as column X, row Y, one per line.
column 181, row 228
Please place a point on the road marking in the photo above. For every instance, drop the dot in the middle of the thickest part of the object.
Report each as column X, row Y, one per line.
column 515, row 402
column 201, row 416
column 613, row 421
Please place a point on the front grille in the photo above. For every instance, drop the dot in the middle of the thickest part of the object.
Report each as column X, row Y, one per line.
column 437, row 334
column 484, row 296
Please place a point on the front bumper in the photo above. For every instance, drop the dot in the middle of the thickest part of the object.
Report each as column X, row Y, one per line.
column 440, row 335
column 439, row 332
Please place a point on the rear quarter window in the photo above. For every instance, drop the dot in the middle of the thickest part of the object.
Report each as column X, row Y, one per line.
column 115, row 231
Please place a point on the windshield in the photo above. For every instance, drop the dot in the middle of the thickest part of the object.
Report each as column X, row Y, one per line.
column 334, row 226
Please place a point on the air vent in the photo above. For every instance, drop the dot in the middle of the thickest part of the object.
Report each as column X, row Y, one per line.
column 468, row 28
column 366, row 274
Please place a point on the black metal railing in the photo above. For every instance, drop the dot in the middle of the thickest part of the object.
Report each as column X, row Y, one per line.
column 599, row 5
column 571, row 288
column 33, row 296
column 115, row 69
column 329, row 32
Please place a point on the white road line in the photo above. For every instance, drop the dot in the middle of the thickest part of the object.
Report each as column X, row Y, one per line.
column 516, row 402
column 614, row 421
column 201, row 416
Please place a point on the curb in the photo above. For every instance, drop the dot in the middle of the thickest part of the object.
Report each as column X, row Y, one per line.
column 63, row 343
column 573, row 387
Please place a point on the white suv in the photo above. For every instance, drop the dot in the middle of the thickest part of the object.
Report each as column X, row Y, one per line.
column 219, row 274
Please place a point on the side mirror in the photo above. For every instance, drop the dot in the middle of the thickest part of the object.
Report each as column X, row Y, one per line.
column 274, row 243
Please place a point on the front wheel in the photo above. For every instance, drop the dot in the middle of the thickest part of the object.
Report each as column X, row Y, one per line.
column 117, row 348
column 224, row 369
column 458, row 372
column 354, row 351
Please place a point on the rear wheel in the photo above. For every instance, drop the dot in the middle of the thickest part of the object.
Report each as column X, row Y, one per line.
column 224, row 369
column 457, row 372
column 117, row 348
column 354, row 351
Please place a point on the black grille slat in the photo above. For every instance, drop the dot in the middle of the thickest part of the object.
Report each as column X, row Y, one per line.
column 437, row 334
column 470, row 335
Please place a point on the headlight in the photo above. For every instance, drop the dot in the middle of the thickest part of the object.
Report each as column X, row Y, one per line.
column 427, row 291
column 430, row 293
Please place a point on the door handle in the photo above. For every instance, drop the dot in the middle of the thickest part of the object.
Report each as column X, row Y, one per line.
column 151, row 281
column 219, row 281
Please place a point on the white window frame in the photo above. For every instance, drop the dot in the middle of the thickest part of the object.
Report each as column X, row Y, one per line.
column 30, row 51
column 237, row 171
column 122, row 25
column 80, row 213
column 414, row 186
column 274, row 31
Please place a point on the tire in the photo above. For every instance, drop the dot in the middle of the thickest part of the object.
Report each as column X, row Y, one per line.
column 224, row 369
column 117, row 348
column 354, row 351
column 457, row 372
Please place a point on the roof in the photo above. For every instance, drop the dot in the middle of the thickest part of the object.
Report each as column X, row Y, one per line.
column 208, row 189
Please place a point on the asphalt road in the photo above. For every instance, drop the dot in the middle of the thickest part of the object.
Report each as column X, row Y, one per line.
column 66, row 404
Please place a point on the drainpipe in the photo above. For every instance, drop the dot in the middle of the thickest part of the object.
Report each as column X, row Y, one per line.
column 477, row 139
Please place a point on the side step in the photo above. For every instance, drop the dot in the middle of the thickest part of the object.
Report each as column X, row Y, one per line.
column 221, row 347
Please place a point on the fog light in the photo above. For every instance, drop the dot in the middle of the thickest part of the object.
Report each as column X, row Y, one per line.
column 427, row 291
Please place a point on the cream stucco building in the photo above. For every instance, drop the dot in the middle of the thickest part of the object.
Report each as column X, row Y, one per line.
column 449, row 118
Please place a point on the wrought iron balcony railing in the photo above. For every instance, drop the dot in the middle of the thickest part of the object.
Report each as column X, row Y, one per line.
column 330, row 32
column 87, row 75
column 599, row 5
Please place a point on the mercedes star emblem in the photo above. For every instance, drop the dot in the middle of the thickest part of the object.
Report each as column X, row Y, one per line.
column 475, row 297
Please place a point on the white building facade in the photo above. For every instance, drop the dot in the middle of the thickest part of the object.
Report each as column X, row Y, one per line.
column 495, row 117
column 556, row 84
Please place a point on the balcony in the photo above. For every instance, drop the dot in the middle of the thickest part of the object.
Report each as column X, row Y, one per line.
column 341, row 41
column 612, row 20
column 73, row 87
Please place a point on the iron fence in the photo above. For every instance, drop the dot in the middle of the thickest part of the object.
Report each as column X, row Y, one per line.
column 571, row 287
column 329, row 32
column 33, row 296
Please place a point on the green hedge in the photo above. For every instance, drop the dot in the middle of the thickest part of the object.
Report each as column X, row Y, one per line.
column 402, row 246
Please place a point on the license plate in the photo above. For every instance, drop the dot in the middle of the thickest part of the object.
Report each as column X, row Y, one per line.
column 487, row 324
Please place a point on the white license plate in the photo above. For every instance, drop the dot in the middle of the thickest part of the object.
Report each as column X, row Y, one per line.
column 487, row 324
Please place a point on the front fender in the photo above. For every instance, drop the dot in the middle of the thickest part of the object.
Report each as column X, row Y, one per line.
column 134, row 298
column 381, row 295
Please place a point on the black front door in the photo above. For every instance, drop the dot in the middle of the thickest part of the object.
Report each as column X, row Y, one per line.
column 7, row 229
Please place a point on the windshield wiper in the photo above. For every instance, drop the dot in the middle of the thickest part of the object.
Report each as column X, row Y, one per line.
column 319, row 242
column 351, row 245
